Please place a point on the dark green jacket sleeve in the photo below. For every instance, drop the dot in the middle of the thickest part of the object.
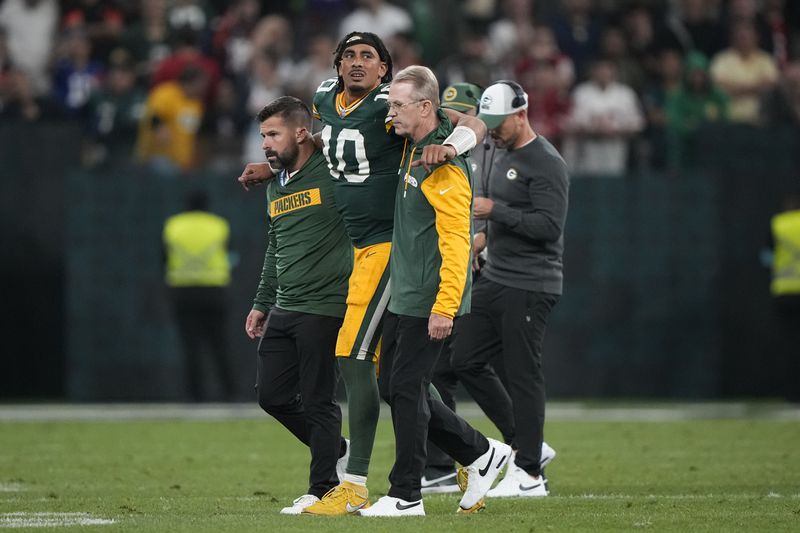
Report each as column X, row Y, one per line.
column 268, row 286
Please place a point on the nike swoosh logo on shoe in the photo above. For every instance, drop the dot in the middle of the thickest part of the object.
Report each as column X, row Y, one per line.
column 485, row 469
column 400, row 507
column 501, row 463
column 351, row 509
column 524, row 488
column 430, row 482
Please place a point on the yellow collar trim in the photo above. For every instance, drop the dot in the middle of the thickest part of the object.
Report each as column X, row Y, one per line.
column 344, row 110
column 408, row 170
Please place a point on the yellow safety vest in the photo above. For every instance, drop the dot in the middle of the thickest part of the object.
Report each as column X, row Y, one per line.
column 786, row 264
column 196, row 244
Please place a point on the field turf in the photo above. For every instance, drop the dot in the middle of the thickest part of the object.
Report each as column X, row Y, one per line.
column 736, row 474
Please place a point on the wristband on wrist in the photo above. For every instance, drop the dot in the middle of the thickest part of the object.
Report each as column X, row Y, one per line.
column 462, row 139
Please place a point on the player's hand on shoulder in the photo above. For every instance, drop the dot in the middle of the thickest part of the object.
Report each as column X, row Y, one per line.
column 435, row 154
column 255, row 174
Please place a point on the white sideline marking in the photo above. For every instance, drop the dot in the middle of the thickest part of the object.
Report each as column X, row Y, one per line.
column 570, row 411
column 655, row 497
column 11, row 487
column 672, row 496
column 20, row 519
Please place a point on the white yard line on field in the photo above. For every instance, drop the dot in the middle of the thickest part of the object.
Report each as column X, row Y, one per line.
column 708, row 496
column 20, row 520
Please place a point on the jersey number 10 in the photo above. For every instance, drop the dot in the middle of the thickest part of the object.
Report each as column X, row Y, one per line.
column 346, row 154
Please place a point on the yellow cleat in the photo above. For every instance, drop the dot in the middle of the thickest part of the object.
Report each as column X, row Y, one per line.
column 343, row 499
column 461, row 477
column 480, row 506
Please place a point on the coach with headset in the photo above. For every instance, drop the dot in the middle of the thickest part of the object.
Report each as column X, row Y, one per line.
column 525, row 214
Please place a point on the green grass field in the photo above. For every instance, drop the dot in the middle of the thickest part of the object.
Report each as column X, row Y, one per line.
column 235, row 475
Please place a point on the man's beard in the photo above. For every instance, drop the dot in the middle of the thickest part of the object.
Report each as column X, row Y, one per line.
column 505, row 144
column 500, row 143
column 275, row 164
column 282, row 161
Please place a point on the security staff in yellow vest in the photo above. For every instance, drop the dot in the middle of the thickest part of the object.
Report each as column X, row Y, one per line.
column 785, row 288
column 786, row 261
column 198, row 273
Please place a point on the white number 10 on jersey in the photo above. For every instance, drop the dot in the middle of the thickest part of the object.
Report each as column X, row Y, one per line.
column 352, row 171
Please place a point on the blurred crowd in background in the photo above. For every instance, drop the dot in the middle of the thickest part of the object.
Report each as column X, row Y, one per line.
column 617, row 85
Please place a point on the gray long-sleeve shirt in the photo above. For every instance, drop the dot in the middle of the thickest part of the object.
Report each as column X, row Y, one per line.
column 480, row 160
column 529, row 187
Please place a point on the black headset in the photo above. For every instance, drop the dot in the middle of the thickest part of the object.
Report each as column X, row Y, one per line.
column 519, row 93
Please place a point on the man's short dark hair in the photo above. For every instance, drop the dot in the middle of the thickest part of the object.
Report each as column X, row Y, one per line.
column 290, row 109
column 364, row 37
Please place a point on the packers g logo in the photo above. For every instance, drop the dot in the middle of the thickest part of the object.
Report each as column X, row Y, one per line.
column 450, row 94
column 511, row 174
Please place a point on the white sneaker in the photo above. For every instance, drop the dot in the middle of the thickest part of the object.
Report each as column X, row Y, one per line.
column 518, row 482
column 389, row 506
column 482, row 473
column 299, row 504
column 439, row 485
column 341, row 464
column 548, row 454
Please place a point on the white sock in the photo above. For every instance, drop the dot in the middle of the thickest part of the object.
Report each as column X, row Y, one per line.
column 358, row 480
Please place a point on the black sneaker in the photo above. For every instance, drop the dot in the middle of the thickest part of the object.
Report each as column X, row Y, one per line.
column 440, row 483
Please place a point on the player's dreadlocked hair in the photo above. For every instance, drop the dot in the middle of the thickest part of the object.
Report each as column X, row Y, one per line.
column 363, row 37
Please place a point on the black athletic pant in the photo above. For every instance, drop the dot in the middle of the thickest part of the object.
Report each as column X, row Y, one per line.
column 200, row 314
column 406, row 367
column 510, row 322
column 297, row 375
column 446, row 382
column 787, row 340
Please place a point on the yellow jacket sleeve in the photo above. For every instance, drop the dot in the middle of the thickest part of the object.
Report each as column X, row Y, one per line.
column 448, row 191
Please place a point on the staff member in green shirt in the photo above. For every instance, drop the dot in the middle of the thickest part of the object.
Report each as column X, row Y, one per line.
column 302, row 289
column 430, row 273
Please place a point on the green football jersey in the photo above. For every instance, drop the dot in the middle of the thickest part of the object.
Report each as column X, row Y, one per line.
column 363, row 154
column 309, row 258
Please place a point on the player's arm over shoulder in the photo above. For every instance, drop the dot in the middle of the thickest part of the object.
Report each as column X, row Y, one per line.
column 467, row 121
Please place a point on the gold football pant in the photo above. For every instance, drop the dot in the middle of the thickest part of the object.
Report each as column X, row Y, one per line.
column 367, row 298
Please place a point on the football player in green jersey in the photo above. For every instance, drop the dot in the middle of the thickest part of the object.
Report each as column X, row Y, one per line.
column 364, row 155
